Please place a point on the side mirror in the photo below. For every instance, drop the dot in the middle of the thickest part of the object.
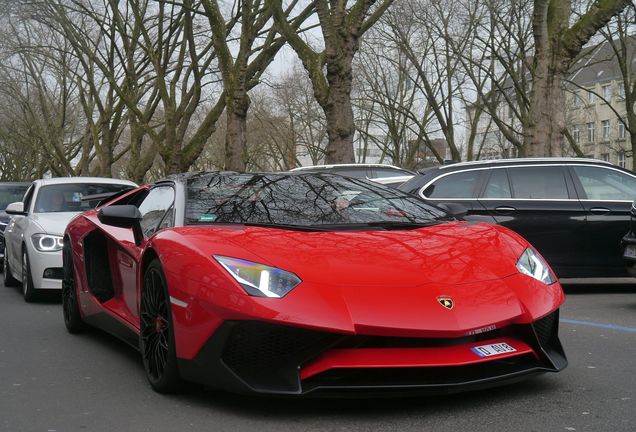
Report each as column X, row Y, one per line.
column 454, row 209
column 123, row 216
column 16, row 209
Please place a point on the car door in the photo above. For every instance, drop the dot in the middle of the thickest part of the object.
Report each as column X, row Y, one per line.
column 606, row 193
column 461, row 187
column 14, row 233
column 540, row 203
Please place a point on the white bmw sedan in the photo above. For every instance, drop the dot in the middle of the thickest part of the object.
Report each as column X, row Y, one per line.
column 33, row 237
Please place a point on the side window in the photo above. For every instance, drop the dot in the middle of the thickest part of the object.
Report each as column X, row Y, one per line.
column 498, row 185
column 458, row 185
column 606, row 184
column 168, row 219
column 28, row 197
column 154, row 207
column 539, row 182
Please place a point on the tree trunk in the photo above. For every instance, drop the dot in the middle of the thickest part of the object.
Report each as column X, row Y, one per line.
column 237, row 106
column 339, row 113
column 546, row 124
column 105, row 154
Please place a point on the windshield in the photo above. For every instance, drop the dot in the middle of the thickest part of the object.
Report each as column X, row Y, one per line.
column 301, row 200
column 68, row 197
column 10, row 194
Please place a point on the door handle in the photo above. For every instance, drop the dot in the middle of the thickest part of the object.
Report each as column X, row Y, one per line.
column 599, row 210
column 505, row 209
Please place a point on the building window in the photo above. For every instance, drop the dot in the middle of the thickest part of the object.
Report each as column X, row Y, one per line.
column 607, row 92
column 621, row 89
column 621, row 130
column 590, row 132
column 605, row 157
column 622, row 160
column 606, row 130
column 576, row 134
column 576, row 100
column 591, row 96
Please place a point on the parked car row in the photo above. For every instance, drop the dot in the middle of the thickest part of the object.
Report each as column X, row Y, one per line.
column 308, row 282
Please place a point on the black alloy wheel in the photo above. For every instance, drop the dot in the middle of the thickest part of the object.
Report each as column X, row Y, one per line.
column 157, row 336
column 8, row 279
column 70, row 305
column 28, row 290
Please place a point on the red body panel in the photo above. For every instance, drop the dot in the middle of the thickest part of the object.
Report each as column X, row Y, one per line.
column 382, row 283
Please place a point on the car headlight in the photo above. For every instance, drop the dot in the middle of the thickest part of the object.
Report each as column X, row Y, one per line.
column 47, row 242
column 258, row 279
column 531, row 264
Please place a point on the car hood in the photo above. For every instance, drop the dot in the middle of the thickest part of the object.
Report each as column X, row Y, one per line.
column 52, row 223
column 387, row 282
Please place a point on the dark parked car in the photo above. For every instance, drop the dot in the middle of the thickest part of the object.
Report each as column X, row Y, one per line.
column 574, row 211
column 9, row 192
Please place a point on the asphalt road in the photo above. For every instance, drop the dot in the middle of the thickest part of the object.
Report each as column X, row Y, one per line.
column 53, row 381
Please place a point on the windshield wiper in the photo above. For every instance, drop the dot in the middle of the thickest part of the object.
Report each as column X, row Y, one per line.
column 386, row 225
column 285, row 226
column 311, row 228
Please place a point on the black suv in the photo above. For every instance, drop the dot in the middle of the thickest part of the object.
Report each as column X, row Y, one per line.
column 574, row 211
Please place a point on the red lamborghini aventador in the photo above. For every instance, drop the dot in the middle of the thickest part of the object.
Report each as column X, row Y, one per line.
column 309, row 284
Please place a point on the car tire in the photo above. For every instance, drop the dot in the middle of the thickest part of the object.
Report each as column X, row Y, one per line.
column 28, row 290
column 156, row 338
column 8, row 279
column 70, row 305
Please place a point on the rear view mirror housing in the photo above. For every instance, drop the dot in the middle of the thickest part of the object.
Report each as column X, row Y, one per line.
column 123, row 216
column 16, row 209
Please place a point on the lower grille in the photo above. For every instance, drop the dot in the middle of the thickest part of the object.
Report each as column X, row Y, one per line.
column 266, row 355
column 547, row 328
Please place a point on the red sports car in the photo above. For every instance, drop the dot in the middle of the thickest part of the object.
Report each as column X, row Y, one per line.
column 309, row 284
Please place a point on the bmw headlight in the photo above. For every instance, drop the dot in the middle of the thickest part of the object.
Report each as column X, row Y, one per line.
column 258, row 279
column 47, row 242
column 531, row 264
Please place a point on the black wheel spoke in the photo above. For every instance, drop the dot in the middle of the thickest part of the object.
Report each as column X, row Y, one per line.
column 154, row 323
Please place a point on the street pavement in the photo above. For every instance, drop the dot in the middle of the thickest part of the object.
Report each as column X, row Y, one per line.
column 51, row 381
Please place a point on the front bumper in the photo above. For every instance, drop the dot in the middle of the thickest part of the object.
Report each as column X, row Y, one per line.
column 264, row 358
column 41, row 261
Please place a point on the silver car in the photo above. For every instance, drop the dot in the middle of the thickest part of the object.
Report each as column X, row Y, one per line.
column 33, row 237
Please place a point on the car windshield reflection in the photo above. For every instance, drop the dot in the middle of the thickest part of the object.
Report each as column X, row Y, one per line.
column 318, row 201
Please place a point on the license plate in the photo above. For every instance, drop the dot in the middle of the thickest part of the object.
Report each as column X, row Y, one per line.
column 630, row 251
column 492, row 349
